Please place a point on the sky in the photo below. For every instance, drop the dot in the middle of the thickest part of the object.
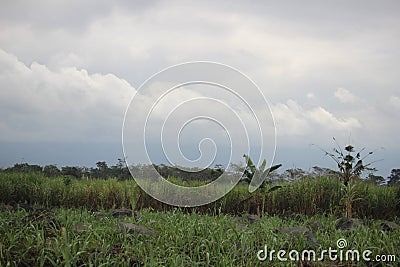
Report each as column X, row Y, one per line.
column 69, row 70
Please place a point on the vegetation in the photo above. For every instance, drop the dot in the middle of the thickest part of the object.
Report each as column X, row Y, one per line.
column 258, row 177
column 74, row 224
column 394, row 178
column 349, row 162
column 76, row 237
column 309, row 196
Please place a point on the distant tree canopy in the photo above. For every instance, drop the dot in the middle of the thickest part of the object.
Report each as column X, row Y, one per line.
column 375, row 179
column 394, row 178
column 121, row 172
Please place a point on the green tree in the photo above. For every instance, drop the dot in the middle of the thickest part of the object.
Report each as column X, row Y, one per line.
column 375, row 179
column 71, row 171
column 394, row 178
column 349, row 162
column 25, row 168
column 51, row 171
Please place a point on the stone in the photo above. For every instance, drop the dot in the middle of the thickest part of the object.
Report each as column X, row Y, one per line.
column 253, row 218
column 389, row 226
column 82, row 227
column 130, row 228
column 315, row 225
column 288, row 215
column 121, row 212
column 298, row 231
column 25, row 206
column 136, row 214
column 348, row 223
column 99, row 216
column 6, row 207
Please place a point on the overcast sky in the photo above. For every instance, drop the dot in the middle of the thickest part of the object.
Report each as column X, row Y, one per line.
column 68, row 70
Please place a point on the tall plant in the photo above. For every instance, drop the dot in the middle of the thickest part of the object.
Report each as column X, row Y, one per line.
column 351, row 165
column 254, row 176
column 349, row 162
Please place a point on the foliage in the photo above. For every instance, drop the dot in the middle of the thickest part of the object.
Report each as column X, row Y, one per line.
column 394, row 178
column 119, row 171
column 252, row 173
column 349, row 196
column 375, row 179
column 349, row 162
column 24, row 168
column 254, row 176
column 181, row 239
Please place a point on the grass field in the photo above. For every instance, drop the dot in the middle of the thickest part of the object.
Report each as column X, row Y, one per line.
column 179, row 239
column 77, row 227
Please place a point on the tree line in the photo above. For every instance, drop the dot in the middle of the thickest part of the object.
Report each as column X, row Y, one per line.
column 121, row 172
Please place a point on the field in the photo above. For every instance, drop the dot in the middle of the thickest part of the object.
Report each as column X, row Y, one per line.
column 69, row 222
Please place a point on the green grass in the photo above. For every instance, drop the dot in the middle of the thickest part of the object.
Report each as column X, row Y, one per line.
column 309, row 196
column 212, row 235
column 181, row 239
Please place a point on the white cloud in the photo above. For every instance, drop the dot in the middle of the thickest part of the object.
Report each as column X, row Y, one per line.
column 345, row 96
column 394, row 101
column 61, row 88
column 68, row 104
column 293, row 119
column 311, row 96
column 327, row 120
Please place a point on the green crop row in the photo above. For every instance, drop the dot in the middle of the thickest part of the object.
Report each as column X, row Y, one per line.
column 308, row 196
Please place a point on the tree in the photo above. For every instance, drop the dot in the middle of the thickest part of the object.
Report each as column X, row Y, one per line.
column 72, row 171
column 351, row 166
column 350, row 163
column 295, row 174
column 25, row 168
column 51, row 170
column 320, row 171
column 375, row 179
column 394, row 178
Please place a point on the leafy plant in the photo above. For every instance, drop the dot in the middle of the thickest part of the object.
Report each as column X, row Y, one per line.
column 349, row 162
column 257, row 177
column 349, row 197
column 351, row 165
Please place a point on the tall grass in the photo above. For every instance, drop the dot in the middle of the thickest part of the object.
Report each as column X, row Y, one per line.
column 66, row 192
column 307, row 196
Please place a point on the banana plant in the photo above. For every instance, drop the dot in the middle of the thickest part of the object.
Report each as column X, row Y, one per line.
column 257, row 178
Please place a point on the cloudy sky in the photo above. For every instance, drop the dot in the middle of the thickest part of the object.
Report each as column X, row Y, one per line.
column 68, row 70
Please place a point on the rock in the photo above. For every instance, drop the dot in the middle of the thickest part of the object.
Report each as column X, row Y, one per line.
column 40, row 210
column 136, row 214
column 99, row 216
column 6, row 207
column 82, row 227
column 348, row 223
column 315, row 225
column 253, row 218
column 33, row 209
column 298, row 231
column 44, row 220
column 242, row 227
column 131, row 228
column 288, row 215
column 389, row 226
column 121, row 212
column 25, row 206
